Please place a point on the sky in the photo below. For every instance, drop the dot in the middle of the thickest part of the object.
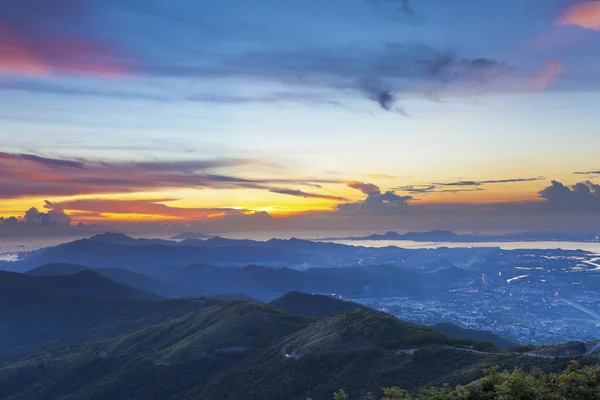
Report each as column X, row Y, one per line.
column 153, row 116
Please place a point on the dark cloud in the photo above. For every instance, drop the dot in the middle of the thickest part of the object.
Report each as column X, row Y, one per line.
column 300, row 193
column 489, row 182
column 375, row 200
column 10, row 221
column 426, row 189
column 581, row 197
column 381, row 74
column 594, row 172
column 366, row 188
column 34, row 217
column 417, row 189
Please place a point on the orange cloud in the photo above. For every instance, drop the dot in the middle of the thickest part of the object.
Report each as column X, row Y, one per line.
column 585, row 14
column 547, row 75
column 25, row 55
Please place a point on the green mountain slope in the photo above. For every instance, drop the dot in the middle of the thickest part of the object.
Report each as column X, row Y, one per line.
column 459, row 332
column 253, row 351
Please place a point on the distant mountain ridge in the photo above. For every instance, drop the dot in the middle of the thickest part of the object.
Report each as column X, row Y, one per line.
column 150, row 257
column 191, row 235
column 449, row 236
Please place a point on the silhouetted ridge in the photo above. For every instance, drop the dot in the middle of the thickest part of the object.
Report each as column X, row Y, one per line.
column 84, row 283
column 311, row 305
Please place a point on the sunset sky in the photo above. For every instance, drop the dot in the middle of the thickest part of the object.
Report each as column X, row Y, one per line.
column 148, row 115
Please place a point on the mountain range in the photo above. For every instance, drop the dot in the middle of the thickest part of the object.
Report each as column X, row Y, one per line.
column 111, row 341
column 449, row 236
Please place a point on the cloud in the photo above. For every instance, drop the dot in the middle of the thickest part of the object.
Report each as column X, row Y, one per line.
column 10, row 221
column 42, row 161
column 375, row 200
column 34, row 217
column 417, row 189
column 52, row 217
column 585, row 14
column 581, row 197
column 489, row 182
column 594, row 172
column 300, row 193
column 381, row 74
column 98, row 207
column 548, row 75
column 33, row 42
column 366, row 188
column 31, row 175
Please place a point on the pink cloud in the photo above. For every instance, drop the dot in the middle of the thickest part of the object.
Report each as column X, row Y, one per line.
column 585, row 14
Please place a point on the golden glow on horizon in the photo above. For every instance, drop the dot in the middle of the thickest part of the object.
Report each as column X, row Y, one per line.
column 244, row 200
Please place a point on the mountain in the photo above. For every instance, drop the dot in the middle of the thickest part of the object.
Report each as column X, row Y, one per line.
column 57, row 269
column 123, row 276
column 245, row 350
column 122, row 239
column 190, row 235
column 311, row 305
column 85, row 283
column 430, row 236
column 449, row 236
column 155, row 259
column 472, row 334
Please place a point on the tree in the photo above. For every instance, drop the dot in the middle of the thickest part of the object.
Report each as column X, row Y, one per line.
column 340, row 395
column 395, row 393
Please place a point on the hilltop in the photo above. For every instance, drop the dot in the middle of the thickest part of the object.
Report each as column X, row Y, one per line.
column 311, row 305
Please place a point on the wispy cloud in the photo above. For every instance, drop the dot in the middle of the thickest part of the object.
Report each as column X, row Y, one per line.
column 489, row 182
column 300, row 193
column 593, row 172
